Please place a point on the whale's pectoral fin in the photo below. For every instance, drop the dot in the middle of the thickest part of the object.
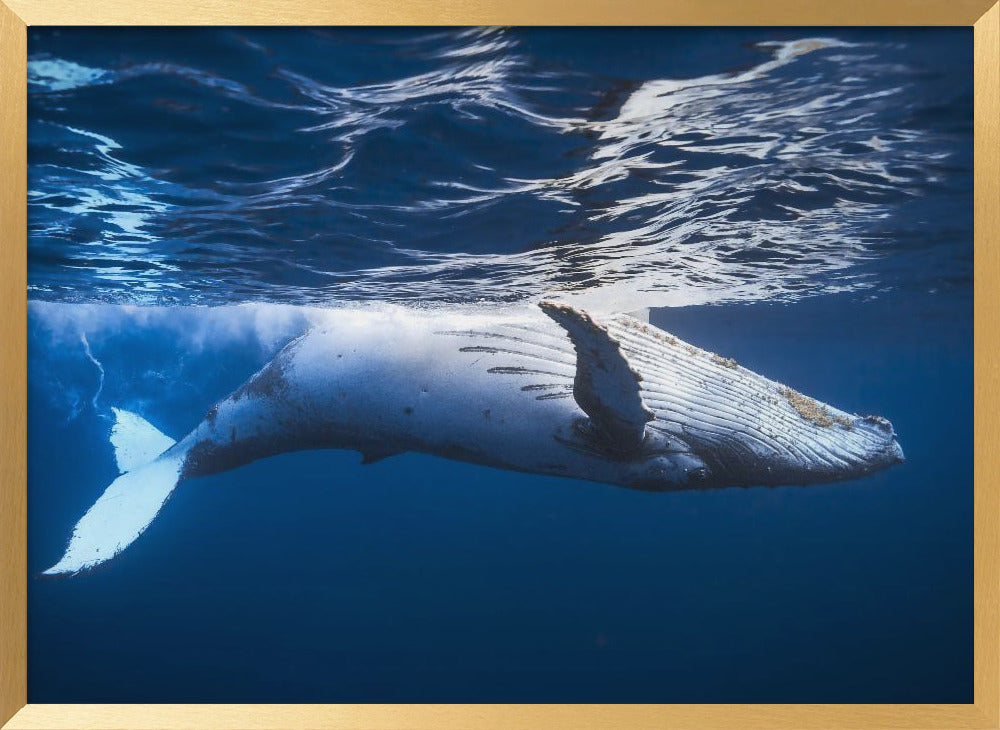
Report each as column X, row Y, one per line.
column 605, row 387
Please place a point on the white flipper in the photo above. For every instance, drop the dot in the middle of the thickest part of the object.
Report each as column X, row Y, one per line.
column 136, row 441
column 127, row 507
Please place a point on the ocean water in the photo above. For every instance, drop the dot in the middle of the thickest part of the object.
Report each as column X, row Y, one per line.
column 799, row 199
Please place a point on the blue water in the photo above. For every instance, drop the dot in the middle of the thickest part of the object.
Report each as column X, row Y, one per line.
column 798, row 199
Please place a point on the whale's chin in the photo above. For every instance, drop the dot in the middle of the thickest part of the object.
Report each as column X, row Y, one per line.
column 770, row 473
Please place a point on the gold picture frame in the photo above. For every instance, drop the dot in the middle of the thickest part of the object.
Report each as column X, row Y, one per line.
column 16, row 15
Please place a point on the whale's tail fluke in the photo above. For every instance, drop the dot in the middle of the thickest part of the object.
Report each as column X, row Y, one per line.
column 150, row 471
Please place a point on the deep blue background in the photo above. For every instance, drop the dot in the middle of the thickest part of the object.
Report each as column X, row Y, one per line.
column 311, row 578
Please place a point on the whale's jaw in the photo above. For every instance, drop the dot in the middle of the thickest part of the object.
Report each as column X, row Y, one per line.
column 739, row 460
column 855, row 448
column 859, row 451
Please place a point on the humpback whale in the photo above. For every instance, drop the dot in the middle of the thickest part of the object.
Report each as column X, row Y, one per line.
column 546, row 389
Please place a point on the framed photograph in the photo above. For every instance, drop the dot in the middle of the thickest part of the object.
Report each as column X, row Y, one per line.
column 526, row 367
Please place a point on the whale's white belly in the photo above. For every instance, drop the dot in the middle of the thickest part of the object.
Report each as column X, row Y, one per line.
column 498, row 390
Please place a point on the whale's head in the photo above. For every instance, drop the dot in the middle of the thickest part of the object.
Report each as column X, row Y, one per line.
column 668, row 415
column 741, row 449
column 726, row 425
column 818, row 445
column 745, row 430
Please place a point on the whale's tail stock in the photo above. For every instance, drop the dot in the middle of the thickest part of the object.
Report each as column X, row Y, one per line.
column 150, row 469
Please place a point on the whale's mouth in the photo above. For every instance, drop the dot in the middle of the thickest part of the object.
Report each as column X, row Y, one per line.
column 800, row 455
column 868, row 445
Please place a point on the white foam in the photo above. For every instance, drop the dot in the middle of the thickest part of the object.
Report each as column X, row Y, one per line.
column 57, row 74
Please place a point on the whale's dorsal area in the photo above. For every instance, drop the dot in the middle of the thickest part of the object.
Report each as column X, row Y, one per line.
column 548, row 389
